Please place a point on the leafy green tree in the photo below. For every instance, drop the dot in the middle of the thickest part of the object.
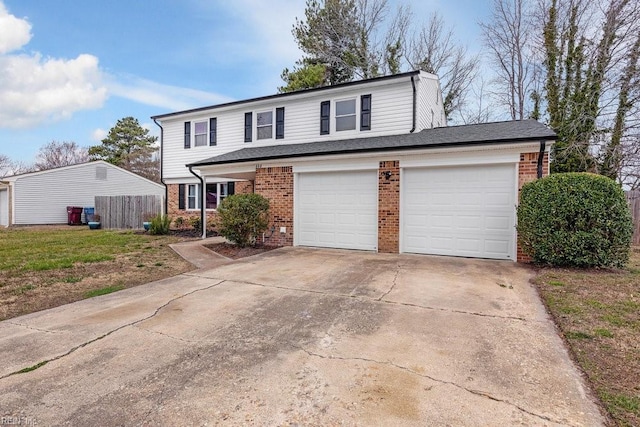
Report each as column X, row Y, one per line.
column 129, row 146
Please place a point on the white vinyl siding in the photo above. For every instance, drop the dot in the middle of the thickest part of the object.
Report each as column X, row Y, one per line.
column 430, row 107
column 461, row 211
column 391, row 114
column 337, row 210
column 42, row 197
column 4, row 207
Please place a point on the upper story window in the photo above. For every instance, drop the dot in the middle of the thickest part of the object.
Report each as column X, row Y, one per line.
column 201, row 133
column 265, row 125
column 346, row 115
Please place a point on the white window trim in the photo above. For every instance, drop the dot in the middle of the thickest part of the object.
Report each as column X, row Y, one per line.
column 273, row 126
column 205, row 133
column 333, row 121
column 219, row 186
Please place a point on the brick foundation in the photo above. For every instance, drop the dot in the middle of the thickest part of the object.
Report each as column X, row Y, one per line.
column 389, row 207
column 528, row 172
column 276, row 184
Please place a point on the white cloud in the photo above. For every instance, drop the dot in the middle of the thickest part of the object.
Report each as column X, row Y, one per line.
column 14, row 32
column 34, row 89
column 99, row 134
column 160, row 95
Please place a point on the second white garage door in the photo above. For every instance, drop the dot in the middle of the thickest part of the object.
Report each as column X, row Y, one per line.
column 462, row 211
column 337, row 210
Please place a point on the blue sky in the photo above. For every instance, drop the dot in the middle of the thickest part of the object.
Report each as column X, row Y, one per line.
column 70, row 69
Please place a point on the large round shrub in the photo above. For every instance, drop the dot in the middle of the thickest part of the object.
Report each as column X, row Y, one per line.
column 242, row 218
column 575, row 219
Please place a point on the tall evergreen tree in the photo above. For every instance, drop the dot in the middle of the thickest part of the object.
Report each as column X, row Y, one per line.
column 129, row 146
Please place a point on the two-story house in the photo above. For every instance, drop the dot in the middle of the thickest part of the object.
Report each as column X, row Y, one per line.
column 367, row 165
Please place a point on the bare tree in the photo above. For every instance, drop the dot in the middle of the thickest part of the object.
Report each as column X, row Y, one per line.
column 6, row 166
column 9, row 167
column 57, row 154
column 506, row 37
column 434, row 50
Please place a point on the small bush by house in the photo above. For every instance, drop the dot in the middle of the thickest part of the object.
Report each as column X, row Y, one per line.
column 160, row 225
column 575, row 219
column 242, row 218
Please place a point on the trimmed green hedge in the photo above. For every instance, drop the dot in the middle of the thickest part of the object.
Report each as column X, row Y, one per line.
column 575, row 219
column 242, row 218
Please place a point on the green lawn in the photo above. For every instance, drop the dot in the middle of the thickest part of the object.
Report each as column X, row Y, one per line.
column 598, row 312
column 42, row 267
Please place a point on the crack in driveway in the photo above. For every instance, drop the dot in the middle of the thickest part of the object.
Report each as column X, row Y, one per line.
column 437, row 380
column 31, row 327
column 378, row 299
column 86, row 343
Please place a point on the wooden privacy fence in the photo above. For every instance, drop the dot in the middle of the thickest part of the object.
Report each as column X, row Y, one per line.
column 633, row 198
column 126, row 211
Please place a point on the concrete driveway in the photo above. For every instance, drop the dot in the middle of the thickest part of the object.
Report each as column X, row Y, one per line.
column 300, row 337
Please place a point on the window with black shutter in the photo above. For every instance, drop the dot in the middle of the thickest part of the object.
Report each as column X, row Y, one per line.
column 280, row 123
column 365, row 112
column 213, row 131
column 231, row 188
column 248, row 118
column 181, row 197
column 325, row 117
column 187, row 134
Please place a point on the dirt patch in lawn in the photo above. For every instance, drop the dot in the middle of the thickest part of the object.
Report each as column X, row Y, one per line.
column 598, row 312
column 235, row 252
column 37, row 275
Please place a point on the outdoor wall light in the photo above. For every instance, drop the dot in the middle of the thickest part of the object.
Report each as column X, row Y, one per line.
column 386, row 174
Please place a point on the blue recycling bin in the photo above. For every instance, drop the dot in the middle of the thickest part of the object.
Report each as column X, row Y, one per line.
column 88, row 214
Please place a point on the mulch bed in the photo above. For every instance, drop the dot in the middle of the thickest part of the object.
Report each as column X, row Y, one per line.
column 235, row 252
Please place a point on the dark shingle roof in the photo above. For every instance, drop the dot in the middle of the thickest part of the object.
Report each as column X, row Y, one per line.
column 485, row 133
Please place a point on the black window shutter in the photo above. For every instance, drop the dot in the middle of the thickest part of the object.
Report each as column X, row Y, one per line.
column 248, row 127
column 181, row 197
column 213, row 131
column 280, row 123
column 187, row 134
column 231, row 188
column 325, row 117
column 365, row 112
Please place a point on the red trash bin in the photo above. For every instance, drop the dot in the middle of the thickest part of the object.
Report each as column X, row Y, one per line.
column 74, row 215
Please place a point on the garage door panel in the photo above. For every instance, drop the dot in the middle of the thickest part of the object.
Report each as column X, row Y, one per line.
column 464, row 211
column 338, row 209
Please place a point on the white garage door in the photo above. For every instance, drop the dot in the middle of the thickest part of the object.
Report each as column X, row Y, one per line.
column 338, row 210
column 462, row 211
column 4, row 208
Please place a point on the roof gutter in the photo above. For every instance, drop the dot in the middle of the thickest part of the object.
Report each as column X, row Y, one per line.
column 202, row 207
column 415, row 103
column 166, row 190
column 543, row 146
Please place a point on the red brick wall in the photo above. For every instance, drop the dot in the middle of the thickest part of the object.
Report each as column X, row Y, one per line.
column 243, row 187
column 389, row 207
column 527, row 172
column 276, row 184
column 174, row 212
